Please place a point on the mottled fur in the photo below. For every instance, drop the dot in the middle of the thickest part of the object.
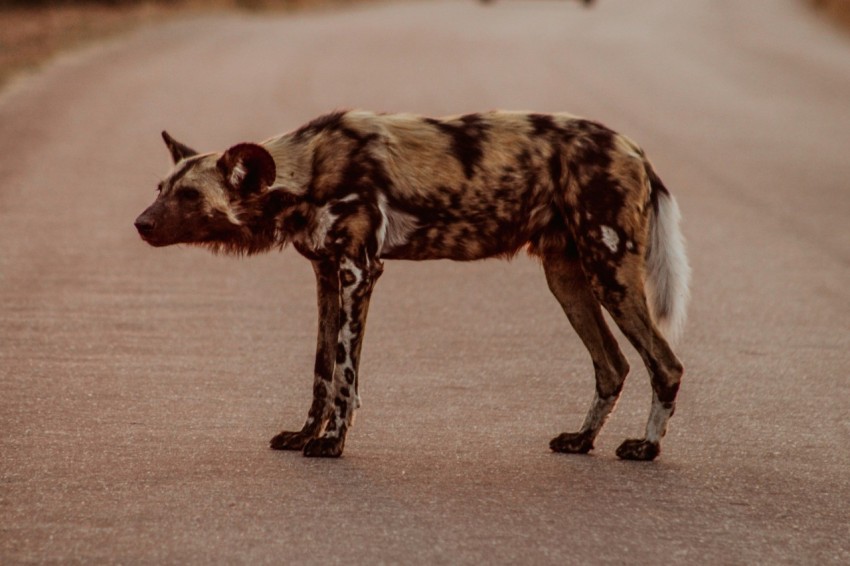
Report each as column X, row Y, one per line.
column 351, row 189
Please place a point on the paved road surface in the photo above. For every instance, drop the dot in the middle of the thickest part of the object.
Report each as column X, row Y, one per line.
column 139, row 387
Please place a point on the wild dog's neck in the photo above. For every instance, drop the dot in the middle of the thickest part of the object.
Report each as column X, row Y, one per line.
column 293, row 159
column 265, row 221
column 271, row 219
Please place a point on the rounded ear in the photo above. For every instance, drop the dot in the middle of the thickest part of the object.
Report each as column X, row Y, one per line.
column 178, row 150
column 248, row 168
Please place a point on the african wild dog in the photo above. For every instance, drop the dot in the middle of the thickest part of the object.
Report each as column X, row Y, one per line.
column 350, row 189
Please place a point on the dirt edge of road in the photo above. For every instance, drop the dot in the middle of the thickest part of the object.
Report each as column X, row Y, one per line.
column 31, row 36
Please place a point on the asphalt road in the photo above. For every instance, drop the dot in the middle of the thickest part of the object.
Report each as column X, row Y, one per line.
column 139, row 387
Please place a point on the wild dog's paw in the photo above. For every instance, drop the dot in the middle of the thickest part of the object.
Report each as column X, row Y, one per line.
column 324, row 447
column 638, row 449
column 289, row 441
column 572, row 443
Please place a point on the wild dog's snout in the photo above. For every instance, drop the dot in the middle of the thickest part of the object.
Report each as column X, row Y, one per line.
column 144, row 225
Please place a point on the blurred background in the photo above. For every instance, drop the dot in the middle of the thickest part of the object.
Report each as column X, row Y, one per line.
column 32, row 30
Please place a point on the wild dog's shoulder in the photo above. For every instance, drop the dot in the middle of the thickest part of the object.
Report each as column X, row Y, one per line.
column 352, row 124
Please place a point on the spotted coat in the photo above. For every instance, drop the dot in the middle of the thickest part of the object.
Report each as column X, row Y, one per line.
column 353, row 188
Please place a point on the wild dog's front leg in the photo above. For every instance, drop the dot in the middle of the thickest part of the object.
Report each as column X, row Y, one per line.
column 327, row 284
column 376, row 268
column 356, row 281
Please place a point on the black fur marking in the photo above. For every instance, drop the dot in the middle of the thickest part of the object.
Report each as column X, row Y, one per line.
column 178, row 150
column 666, row 392
column 327, row 122
column 657, row 187
column 355, row 327
column 595, row 145
column 180, row 173
column 556, row 169
column 542, row 124
column 467, row 139
column 603, row 196
column 347, row 278
column 344, row 208
column 363, row 171
column 572, row 443
column 638, row 449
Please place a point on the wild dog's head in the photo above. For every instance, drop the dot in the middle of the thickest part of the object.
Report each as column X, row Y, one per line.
column 214, row 199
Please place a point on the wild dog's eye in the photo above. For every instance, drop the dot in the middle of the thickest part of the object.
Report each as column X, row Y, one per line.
column 188, row 194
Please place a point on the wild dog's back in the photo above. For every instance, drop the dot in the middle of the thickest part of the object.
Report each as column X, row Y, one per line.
column 475, row 186
column 485, row 184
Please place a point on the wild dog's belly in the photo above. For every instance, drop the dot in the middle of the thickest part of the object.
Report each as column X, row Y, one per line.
column 489, row 228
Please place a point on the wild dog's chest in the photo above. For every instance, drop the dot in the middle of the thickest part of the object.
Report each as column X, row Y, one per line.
column 350, row 222
column 313, row 236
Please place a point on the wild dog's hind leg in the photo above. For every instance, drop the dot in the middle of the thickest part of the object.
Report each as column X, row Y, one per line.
column 327, row 286
column 622, row 292
column 569, row 285
column 356, row 280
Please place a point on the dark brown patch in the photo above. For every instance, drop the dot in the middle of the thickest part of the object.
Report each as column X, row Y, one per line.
column 256, row 162
column 363, row 172
column 657, row 186
column 347, row 278
column 330, row 447
column 638, row 449
column 467, row 134
column 542, row 124
column 572, row 443
column 330, row 121
column 666, row 389
column 178, row 150
column 556, row 169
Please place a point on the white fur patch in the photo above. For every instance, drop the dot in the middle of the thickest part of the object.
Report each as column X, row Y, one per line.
column 610, row 238
column 315, row 239
column 659, row 414
column 237, row 175
column 598, row 413
column 668, row 272
column 396, row 226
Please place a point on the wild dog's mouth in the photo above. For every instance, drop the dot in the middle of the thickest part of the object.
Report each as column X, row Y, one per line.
column 151, row 240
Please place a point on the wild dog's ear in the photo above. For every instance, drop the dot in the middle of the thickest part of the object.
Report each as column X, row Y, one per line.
column 177, row 149
column 248, row 168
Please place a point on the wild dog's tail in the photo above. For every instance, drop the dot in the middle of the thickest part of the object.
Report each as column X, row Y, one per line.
column 668, row 272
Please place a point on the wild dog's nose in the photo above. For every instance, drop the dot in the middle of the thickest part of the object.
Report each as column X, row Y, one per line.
column 145, row 226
